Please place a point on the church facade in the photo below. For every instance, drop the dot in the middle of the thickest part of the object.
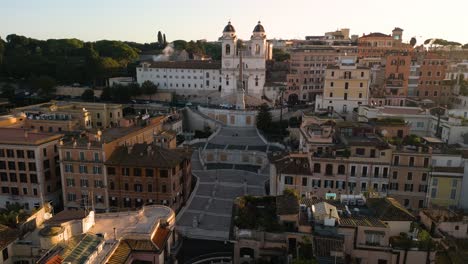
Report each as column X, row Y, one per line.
column 214, row 77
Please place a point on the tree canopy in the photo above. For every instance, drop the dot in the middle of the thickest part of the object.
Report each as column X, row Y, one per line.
column 280, row 55
column 88, row 95
column 264, row 118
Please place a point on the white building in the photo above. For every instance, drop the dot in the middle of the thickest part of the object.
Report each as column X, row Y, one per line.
column 193, row 77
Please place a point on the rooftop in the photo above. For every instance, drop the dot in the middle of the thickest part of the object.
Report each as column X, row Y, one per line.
column 202, row 64
column 7, row 236
column 288, row 163
column 148, row 155
column 20, row 136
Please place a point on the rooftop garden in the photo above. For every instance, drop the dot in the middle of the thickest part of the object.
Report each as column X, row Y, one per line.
column 13, row 215
column 390, row 121
column 257, row 213
column 423, row 242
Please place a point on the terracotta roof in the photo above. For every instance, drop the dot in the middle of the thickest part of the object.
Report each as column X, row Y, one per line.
column 376, row 35
column 22, row 136
column 160, row 237
column 55, row 260
column 361, row 220
column 286, row 205
column 120, row 254
column 65, row 216
column 7, row 236
column 205, row 65
column 287, row 164
column 148, row 155
column 388, row 209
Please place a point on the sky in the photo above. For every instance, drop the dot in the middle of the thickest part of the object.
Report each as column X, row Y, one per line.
column 140, row 20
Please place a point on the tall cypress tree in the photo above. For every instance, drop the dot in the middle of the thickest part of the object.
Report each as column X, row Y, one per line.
column 164, row 40
column 160, row 38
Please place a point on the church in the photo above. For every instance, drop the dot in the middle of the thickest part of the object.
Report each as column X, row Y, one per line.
column 214, row 78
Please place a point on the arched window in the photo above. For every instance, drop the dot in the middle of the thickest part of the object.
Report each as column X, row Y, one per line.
column 257, row 49
column 228, row 49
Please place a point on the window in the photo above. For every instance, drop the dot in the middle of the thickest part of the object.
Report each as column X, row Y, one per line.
column 112, row 185
column 396, row 160
column 149, row 172
column 5, row 254
column 422, row 188
column 360, row 151
column 329, row 169
column 353, row 171
column 376, row 172
column 385, row 172
column 97, row 170
column 426, row 162
column 435, row 181
column 411, row 161
column 10, row 153
column 33, row 178
column 111, row 170
column 346, row 85
column 228, row 49
column 453, row 194
column 424, row 177
column 83, row 169
column 5, row 190
column 70, row 182
column 288, row 180
column 13, row 177
column 2, row 165
column 364, row 171
column 394, row 186
column 163, row 173
column 84, row 183
column 345, row 96
column 316, row 183
column 341, row 169
column 11, row 165
column 360, row 95
column 304, row 181
column 363, row 186
column 454, row 183
column 82, row 156
column 408, row 187
column 20, row 153
column 96, row 156
column 328, row 184
column 21, row 166
column 23, row 177
column 136, row 172
column 71, row 197
column 164, row 188
column 126, row 171
column 138, row 188
column 406, row 202
column 317, row 168
column 68, row 168
column 410, row 176
column 31, row 154
column 433, row 192
column 331, row 84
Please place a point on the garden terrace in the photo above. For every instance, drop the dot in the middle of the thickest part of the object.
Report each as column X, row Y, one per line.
column 257, row 213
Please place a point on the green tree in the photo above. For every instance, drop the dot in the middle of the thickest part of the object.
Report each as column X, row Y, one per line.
column 88, row 95
column 180, row 44
column 116, row 50
column 160, row 38
column 164, row 40
column 280, row 55
column 413, row 41
column 148, row 88
column 12, row 215
column 106, row 94
column 2, row 49
column 45, row 86
column 8, row 91
column 264, row 117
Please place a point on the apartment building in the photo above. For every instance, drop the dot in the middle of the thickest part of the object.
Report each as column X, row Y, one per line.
column 308, row 64
column 397, row 71
column 446, row 177
column 29, row 168
column 409, row 175
column 377, row 45
column 84, row 177
column 346, row 86
column 148, row 174
column 61, row 116
column 357, row 161
column 432, row 84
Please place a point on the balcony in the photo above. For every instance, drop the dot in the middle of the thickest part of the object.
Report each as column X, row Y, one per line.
column 394, row 84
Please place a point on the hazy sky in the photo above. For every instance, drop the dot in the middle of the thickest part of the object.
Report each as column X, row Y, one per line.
column 139, row 20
